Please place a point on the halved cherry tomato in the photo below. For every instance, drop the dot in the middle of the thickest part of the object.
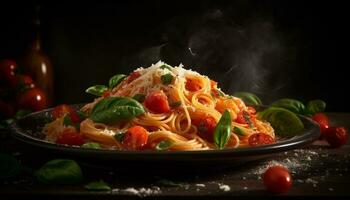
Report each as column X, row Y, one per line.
column 257, row 139
column 157, row 102
column 33, row 99
column 22, row 82
column 251, row 110
column 322, row 121
column 213, row 84
column 244, row 117
column 135, row 138
column 277, row 179
column 193, row 85
column 336, row 136
column 63, row 109
column 133, row 76
column 7, row 70
column 70, row 137
column 205, row 127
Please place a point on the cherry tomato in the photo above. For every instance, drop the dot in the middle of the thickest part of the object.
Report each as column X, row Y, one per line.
column 213, row 84
column 7, row 70
column 6, row 110
column 22, row 82
column 336, row 136
column 251, row 110
column 70, row 137
column 157, row 102
column 106, row 94
column 135, row 138
column 257, row 139
column 205, row 127
column 322, row 121
column 193, row 85
column 277, row 179
column 64, row 109
column 33, row 99
column 133, row 76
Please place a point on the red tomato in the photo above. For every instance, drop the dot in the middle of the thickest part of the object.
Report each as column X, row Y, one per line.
column 322, row 121
column 106, row 94
column 22, row 82
column 135, row 138
column 193, row 85
column 213, row 84
column 33, row 99
column 257, row 139
column 251, row 110
column 70, row 137
column 7, row 70
column 157, row 102
column 6, row 110
column 63, row 109
column 133, row 76
column 205, row 127
column 277, row 179
column 336, row 136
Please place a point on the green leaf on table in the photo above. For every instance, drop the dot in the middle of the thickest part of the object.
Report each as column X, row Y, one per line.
column 116, row 109
column 10, row 167
column 97, row 186
column 115, row 80
column 315, row 106
column 222, row 130
column 248, row 98
column 97, row 90
column 284, row 122
column 60, row 171
column 290, row 104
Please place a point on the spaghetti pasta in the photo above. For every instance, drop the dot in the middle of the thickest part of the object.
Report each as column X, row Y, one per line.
column 181, row 107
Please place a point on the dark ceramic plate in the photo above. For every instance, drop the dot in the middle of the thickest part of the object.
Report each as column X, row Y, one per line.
column 28, row 130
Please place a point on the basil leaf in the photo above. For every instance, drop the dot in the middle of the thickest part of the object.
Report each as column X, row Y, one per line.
column 115, row 80
column 9, row 167
column 60, row 171
column 91, row 145
column 119, row 136
column 248, row 98
column 115, row 109
column 164, row 145
column 222, row 130
column 175, row 104
column 169, row 183
column 167, row 79
column 315, row 106
column 166, row 67
column 139, row 97
column 284, row 122
column 238, row 131
column 97, row 185
column 97, row 90
column 290, row 104
column 67, row 121
column 82, row 115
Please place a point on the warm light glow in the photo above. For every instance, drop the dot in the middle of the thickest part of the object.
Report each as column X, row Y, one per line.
column 43, row 68
column 38, row 97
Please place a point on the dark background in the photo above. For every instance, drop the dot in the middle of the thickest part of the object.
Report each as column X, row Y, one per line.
column 272, row 48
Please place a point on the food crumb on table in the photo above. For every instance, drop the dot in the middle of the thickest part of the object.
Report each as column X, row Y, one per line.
column 224, row 187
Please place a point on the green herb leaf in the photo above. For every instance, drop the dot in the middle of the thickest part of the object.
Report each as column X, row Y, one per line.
column 97, row 90
column 290, row 104
column 67, row 121
column 238, row 131
column 175, row 104
column 285, row 122
column 166, row 67
column 248, row 119
column 60, row 171
column 82, row 115
column 115, row 80
column 169, row 183
column 139, row 97
column 167, row 79
column 222, row 130
column 315, row 106
column 115, row 109
column 164, row 145
column 91, row 145
column 248, row 98
column 97, row 185
column 119, row 136
column 9, row 167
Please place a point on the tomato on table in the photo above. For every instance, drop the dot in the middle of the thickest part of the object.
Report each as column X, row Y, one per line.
column 193, row 85
column 133, row 76
column 33, row 99
column 257, row 139
column 205, row 127
column 7, row 70
column 70, row 137
column 64, row 109
column 277, row 179
column 135, row 138
column 336, row 136
column 322, row 121
column 157, row 102
column 22, row 82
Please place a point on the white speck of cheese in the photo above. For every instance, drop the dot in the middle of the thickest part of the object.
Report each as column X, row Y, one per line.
column 224, row 187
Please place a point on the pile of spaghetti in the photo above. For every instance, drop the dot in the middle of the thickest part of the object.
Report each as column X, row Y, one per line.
column 159, row 108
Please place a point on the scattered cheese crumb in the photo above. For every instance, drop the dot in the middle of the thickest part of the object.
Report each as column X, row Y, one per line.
column 224, row 187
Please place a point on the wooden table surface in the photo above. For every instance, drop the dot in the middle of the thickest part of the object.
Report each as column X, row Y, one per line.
column 317, row 171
